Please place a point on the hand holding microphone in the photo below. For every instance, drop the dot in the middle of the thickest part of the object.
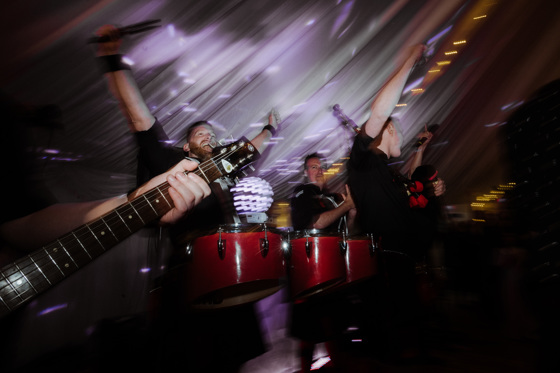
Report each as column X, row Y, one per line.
column 118, row 33
column 426, row 136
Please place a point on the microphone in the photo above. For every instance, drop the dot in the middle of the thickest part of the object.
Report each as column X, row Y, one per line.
column 127, row 30
column 343, row 118
column 432, row 129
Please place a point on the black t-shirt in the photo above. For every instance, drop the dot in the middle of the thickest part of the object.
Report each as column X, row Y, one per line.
column 155, row 156
column 307, row 203
column 382, row 201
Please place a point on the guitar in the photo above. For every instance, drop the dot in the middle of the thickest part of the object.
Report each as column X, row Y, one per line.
column 33, row 274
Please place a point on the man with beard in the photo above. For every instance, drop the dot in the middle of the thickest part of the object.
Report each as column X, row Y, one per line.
column 154, row 155
column 232, row 333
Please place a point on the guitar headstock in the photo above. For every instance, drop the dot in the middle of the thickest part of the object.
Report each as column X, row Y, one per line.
column 232, row 158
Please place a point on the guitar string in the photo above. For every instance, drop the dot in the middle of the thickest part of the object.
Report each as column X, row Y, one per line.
column 35, row 260
column 42, row 255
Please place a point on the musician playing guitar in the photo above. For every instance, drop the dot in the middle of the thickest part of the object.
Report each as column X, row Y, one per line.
column 236, row 331
column 27, row 223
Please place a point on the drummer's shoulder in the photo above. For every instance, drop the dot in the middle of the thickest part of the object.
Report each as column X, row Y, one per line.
column 301, row 189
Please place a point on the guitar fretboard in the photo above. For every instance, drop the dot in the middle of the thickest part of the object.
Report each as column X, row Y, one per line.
column 38, row 271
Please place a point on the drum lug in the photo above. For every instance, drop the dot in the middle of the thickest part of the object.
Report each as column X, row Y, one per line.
column 264, row 243
column 189, row 250
column 221, row 245
column 372, row 246
column 308, row 247
column 264, row 247
column 343, row 246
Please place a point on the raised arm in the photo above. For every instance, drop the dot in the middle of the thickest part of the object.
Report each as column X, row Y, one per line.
column 388, row 97
column 39, row 228
column 121, row 82
column 268, row 131
column 416, row 158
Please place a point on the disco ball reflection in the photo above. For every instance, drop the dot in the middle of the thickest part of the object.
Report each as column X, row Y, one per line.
column 252, row 195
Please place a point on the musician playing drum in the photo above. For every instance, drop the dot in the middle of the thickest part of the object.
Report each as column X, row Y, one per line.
column 312, row 208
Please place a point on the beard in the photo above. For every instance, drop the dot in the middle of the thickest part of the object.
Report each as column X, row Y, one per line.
column 203, row 153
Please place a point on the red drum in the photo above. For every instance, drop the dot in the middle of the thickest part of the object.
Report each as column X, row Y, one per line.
column 235, row 265
column 361, row 258
column 317, row 263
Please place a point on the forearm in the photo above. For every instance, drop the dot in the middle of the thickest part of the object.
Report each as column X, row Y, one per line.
column 44, row 226
column 414, row 162
column 260, row 140
column 124, row 88
column 329, row 217
column 385, row 102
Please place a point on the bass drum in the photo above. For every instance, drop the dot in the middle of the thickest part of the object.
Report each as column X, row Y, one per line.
column 317, row 263
column 236, row 264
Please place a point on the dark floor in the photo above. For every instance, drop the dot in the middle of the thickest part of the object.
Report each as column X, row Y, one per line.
column 461, row 339
column 463, row 334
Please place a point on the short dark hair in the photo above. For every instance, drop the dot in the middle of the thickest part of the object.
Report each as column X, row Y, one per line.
column 308, row 157
column 192, row 126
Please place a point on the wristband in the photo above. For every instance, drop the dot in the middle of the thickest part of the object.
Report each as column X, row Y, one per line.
column 270, row 128
column 112, row 62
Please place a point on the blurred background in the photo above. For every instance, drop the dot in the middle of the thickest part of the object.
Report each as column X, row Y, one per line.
column 232, row 61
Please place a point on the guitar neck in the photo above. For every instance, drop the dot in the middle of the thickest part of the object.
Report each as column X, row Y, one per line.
column 40, row 270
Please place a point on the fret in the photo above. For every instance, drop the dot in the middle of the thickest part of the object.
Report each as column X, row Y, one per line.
column 147, row 200
column 67, row 265
column 4, row 302
column 83, row 247
column 55, row 250
column 5, row 293
column 26, row 279
column 21, row 283
column 131, row 217
column 140, row 217
column 15, row 286
column 103, row 233
column 28, row 270
column 40, row 270
column 9, row 292
column 163, row 195
column 119, row 215
column 73, row 251
column 110, row 230
column 146, row 208
column 95, row 236
column 91, row 243
column 204, row 174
